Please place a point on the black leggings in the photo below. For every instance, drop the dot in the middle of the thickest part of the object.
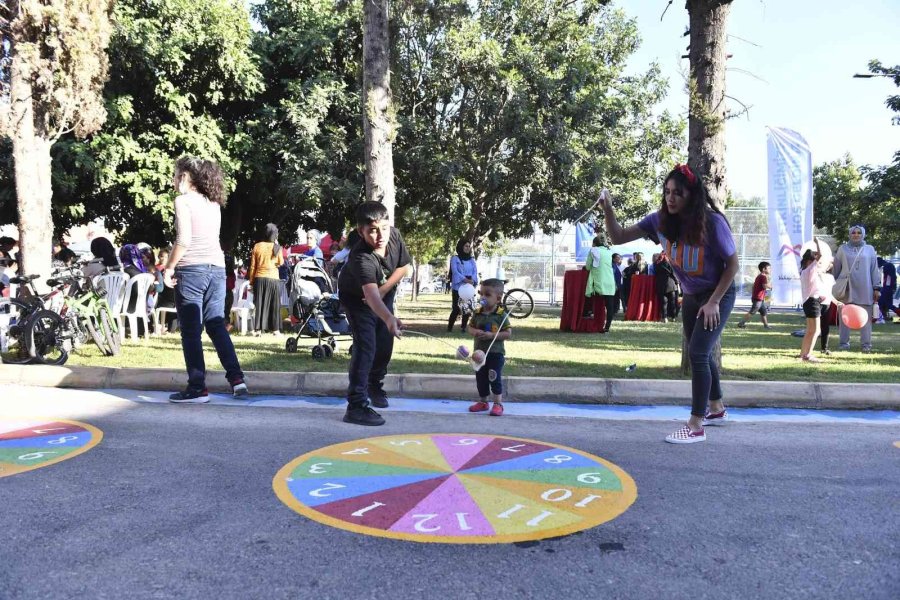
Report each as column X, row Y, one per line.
column 610, row 303
column 456, row 312
column 668, row 302
column 825, row 326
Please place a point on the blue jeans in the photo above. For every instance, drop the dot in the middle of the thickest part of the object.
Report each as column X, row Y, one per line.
column 704, row 371
column 373, row 346
column 199, row 301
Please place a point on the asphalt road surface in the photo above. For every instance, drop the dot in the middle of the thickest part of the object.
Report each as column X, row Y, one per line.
column 178, row 502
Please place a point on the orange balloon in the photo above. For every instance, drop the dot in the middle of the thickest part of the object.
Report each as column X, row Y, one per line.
column 854, row 317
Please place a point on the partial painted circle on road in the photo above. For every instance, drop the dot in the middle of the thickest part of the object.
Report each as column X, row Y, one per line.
column 26, row 445
column 455, row 488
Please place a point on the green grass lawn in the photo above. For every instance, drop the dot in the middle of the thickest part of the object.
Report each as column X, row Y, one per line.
column 539, row 348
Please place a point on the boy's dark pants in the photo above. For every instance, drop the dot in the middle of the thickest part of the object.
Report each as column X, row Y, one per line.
column 490, row 377
column 373, row 346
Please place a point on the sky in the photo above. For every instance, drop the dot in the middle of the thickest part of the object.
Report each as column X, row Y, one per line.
column 802, row 69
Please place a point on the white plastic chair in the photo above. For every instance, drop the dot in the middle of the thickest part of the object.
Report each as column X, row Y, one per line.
column 114, row 284
column 243, row 307
column 158, row 318
column 141, row 283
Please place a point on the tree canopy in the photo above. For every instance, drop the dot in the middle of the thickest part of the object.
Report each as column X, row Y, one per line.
column 509, row 113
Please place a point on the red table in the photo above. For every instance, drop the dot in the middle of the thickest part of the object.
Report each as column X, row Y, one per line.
column 642, row 302
column 574, row 300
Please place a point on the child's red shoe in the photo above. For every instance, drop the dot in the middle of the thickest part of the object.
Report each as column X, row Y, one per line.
column 479, row 407
column 497, row 410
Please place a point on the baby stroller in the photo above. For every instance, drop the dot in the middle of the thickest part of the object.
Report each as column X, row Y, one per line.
column 315, row 308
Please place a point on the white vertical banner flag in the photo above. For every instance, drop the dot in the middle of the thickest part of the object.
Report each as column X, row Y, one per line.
column 790, row 203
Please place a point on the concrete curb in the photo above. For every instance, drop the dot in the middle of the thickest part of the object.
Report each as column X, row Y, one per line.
column 583, row 390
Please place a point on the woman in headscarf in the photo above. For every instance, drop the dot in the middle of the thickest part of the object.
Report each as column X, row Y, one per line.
column 104, row 258
column 858, row 261
column 263, row 276
column 462, row 270
column 601, row 281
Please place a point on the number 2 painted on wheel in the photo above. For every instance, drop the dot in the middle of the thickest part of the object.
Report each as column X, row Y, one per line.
column 317, row 493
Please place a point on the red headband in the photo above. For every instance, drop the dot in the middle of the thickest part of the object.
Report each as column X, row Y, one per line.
column 686, row 171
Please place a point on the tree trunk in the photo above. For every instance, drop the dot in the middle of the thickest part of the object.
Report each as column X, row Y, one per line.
column 706, row 86
column 378, row 111
column 415, row 279
column 32, row 165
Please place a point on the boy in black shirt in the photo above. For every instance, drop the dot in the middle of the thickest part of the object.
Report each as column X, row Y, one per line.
column 367, row 285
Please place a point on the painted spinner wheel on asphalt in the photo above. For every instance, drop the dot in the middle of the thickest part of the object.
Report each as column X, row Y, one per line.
column 455, row 488
column 31, row 444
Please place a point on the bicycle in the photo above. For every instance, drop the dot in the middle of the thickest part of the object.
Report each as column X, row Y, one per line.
column 34, row 332
column 518, row 302
column 86, row 309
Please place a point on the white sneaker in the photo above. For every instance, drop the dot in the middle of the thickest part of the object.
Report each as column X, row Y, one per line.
column 715, row 419
column 686, row 436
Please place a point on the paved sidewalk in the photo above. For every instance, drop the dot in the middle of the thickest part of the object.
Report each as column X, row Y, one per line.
column 584, row 390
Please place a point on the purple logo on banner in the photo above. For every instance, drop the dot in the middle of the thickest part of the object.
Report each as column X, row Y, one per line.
column 584, row 237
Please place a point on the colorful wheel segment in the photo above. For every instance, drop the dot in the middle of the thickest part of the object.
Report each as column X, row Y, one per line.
column 32, row 444
column 455, row 488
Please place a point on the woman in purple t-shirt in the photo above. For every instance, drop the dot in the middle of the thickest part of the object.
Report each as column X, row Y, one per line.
column 698, row 241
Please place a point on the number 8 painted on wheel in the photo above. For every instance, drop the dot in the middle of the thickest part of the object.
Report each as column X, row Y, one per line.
column 557, row 459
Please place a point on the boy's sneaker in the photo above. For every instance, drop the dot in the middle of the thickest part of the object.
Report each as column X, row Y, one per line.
column 497, row 410
column 479, row 407
column 844, row 347
column 686, row 436
column 362, row 415
column 189, row 396
column 378, row 398
column 715, row 419
column 239, row 389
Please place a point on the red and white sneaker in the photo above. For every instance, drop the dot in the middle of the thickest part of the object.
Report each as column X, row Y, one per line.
column 715, row 419
column 479, row 407
column 497, row 410
column 686, row 436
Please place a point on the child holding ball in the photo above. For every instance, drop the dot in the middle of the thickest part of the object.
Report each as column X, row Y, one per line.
column 488, row 320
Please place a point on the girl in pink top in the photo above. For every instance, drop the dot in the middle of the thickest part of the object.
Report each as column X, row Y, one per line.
column 815, row 293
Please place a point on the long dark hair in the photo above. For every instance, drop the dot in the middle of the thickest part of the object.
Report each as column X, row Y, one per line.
column 270, row 234
column 691, row 223
column 206, row 176
column 102, row 248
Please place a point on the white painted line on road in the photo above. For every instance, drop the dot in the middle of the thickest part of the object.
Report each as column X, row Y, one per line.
column 527, row 409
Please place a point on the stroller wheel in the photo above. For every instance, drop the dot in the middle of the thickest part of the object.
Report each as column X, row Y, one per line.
column 350, row 350
column 332, row 343
column 318, row 352
column 291, row 345
column 327, row 350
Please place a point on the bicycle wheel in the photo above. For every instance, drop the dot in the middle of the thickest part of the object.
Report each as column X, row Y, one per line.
column 16, row 352
column 96, row 336
column 110, row 330
column 45, row 338
column 519, row 303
